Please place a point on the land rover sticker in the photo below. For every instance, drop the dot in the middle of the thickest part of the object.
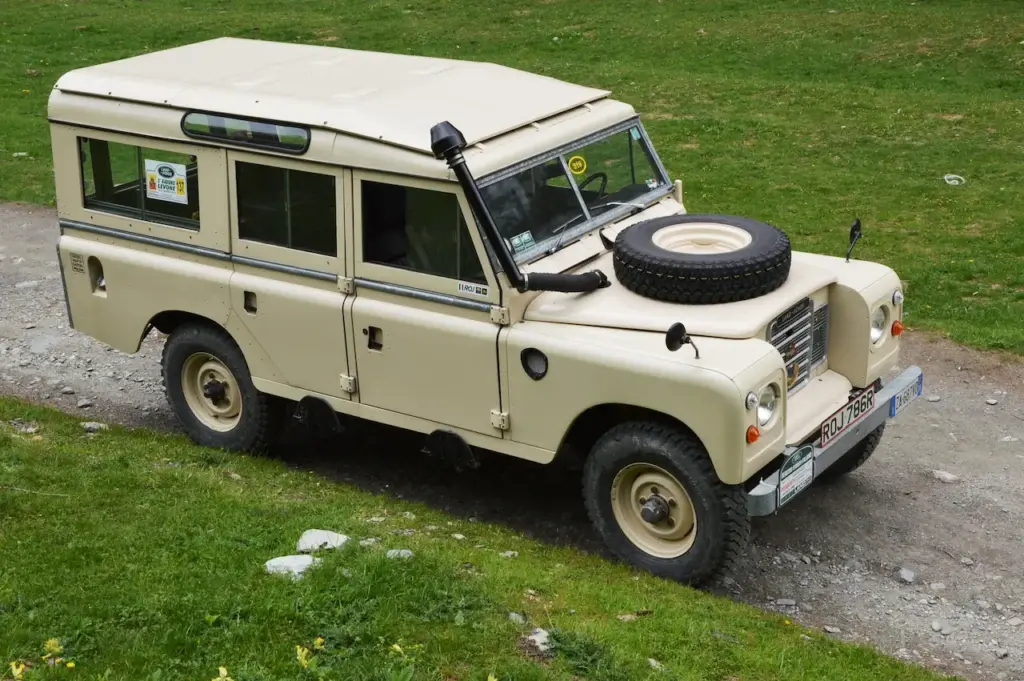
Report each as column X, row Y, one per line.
column 521, row 242
column 473, row 289
column 797, row 472
column 578, row 165
column 166, row 181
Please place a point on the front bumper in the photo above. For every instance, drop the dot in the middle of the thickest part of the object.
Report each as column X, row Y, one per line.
column 765, row 498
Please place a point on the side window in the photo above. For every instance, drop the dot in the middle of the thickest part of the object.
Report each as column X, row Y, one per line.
column 138, row 182
column 418, row 229
column 284, row 207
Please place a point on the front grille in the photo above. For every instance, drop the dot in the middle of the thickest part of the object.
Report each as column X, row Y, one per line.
column 819, row 336
column 791, row 334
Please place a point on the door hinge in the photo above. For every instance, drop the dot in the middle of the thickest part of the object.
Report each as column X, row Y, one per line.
column 499, row 419
column 348, row 384
column 346, row 284
column 499, row 315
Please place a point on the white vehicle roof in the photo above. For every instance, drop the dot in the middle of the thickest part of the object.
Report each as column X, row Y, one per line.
column 389, row 98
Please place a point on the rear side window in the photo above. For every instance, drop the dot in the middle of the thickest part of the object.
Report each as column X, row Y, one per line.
column 284, row 207
column 283, row 137
column 138, row 182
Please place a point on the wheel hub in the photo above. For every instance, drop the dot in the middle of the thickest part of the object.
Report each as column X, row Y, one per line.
column 654, row 510
column 211, row 392
column 215, row 390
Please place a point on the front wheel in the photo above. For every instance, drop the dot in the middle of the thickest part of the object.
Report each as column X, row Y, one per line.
column 657, row 503
column 210, row 390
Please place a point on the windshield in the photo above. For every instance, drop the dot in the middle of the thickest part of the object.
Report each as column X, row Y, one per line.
column 555, row 201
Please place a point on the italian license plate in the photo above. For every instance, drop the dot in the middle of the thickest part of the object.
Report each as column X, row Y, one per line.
column 904, row 397
column 855, row 410
column 797, row 473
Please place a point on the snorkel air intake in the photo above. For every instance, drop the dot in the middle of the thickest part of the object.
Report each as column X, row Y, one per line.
column 447, row 142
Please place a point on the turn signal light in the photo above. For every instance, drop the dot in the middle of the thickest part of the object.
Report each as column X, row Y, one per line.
column 897, row 328
column 752, row 435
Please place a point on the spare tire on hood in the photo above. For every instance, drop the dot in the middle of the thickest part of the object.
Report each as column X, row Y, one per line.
column 702, row 259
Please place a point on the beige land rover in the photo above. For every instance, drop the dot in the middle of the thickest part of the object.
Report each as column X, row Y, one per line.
column 492, row 258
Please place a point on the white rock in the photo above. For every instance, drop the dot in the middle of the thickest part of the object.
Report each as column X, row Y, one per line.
column 26, row 284
column 990, row 402
column 907, row 575
column 936, row 626
column 376, row 519
column 655, row 664
column 944, row 476
column 292, row 566
column 400, row 553
column 93, row 426
column 510, row 554
column 314, row 540
column 1015, row 622
column 937, row 586
column 966, row 561
column 369, row 541
column 1002, row 652
column 1010, row 438
column 458, row 536
column 934, row 398
column 84, row 403
column 540, row 638
column 409, row 516
column 517, row 618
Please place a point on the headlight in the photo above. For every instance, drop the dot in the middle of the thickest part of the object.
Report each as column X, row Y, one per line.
column 878, row 322
column 767, row 400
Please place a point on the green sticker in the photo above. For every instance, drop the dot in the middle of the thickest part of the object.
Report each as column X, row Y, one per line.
column 521, row 242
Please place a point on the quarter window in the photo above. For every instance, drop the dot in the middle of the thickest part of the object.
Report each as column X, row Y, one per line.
column 138, row 182
column 284, row 207
column 418, row 229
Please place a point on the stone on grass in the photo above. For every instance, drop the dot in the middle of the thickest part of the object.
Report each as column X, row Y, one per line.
column 517, row 618
column 655, row 664
column 314, row 540
column 400, row 553
column 458, row 536
column 944, row 476
column 540, row 638
column 369, row 541
column 510, row 554
column 292, row 566
column 93, row 426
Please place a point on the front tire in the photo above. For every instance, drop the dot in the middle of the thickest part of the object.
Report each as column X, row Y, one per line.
column 209, row 387
column 653, row 496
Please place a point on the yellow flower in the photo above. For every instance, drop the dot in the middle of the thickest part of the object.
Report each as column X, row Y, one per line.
column 302, row 654
column 71, row 665
column 397, row 648
column 52, row 647
column 492, row 677
column 318, row 644
column 222, row 674
column 17, row 669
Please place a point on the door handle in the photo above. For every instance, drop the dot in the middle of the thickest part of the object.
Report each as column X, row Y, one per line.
column 249, row 302
column 374, row 338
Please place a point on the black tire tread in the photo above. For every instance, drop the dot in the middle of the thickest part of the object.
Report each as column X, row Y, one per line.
column 855, row 458
column 700, row 280
column 735, row 521
column 256, row 430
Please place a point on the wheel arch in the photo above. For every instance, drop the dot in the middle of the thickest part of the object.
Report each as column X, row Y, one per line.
column 590, row 424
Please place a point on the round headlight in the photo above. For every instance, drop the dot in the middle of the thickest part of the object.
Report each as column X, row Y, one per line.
column 878, row 322
column 767, row 400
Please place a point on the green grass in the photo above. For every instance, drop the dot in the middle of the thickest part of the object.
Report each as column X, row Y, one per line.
column 804, row 113
column 143, row 555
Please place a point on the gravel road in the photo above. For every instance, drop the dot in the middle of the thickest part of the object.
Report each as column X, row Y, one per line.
column 924, row 568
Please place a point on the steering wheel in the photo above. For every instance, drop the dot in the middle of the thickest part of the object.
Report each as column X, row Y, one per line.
column 591, row 178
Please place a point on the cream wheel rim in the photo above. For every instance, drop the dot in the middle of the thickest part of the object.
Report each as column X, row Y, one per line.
column 669, row 526
column 211, row 392
column 701, row 238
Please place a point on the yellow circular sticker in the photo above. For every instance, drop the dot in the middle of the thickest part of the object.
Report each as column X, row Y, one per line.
column 578, row 165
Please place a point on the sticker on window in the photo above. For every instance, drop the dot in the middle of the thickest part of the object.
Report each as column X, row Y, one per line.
column 651, row 183
column 635, row 132
column 520, row 242
column 473, row 289
column 166, row 181
column 578, row 165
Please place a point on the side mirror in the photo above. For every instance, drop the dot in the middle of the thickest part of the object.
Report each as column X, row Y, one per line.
column 855, row 235
column 676, row 337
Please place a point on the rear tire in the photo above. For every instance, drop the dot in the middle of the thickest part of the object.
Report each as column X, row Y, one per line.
column 209, row 387
column 855, row 458
column 705, row 528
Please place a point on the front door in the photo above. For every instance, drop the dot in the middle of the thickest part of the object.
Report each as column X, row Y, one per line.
column 421, row 332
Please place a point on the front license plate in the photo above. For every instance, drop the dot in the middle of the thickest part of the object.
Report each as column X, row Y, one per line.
column 839, row 422
column 904, row 397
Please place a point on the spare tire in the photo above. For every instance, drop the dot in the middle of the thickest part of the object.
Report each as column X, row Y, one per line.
column 702, row 259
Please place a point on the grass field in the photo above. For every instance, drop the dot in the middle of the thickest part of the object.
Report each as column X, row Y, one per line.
column 143, row 557
column 804, row 113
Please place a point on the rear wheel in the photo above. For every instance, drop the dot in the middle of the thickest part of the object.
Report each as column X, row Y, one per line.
column 209, row 387
column 656, row 501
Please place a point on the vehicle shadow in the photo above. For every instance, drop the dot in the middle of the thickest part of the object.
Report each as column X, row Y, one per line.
column 541, row 501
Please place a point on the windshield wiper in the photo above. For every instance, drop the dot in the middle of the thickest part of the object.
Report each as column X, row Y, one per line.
column 616, row 203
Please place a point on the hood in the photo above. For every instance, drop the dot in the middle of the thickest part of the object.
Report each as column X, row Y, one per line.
column 619, row 308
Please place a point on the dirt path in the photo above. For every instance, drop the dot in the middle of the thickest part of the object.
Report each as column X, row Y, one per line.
column 837, row 552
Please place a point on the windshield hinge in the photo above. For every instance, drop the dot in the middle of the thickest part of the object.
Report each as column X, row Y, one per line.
column 348, row 384
column 499, row 315
column 346, row 285
column 499, row 419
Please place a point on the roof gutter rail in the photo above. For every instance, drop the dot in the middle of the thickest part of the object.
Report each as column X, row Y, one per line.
column 447, row 142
